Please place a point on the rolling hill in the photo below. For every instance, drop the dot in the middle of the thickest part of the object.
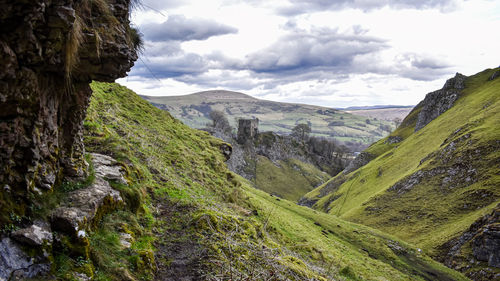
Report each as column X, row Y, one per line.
column 435, row 180
column 278, row 117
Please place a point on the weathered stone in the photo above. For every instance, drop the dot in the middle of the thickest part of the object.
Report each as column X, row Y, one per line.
column 494, row 76
column 81, row 207
column 43, row 105
column 35, row 235
column 437, row 102
column 362, row 159
column 483, row 236
column 393, row 139
column 15, row 263
column 247, row 130
column 226, row 150
column 107, row 168
column 126, row 240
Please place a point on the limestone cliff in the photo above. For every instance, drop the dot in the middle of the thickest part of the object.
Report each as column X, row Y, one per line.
column 49, row 51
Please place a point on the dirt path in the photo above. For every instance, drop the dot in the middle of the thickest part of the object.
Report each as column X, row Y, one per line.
column 179, row 256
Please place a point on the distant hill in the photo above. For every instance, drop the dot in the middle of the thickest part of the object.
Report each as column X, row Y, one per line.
column 388, row 113
column 278, row 117
column 369, row 107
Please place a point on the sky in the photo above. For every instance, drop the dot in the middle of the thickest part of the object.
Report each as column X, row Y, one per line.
column 335, row 53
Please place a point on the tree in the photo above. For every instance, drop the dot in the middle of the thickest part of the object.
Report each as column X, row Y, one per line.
column 219, row 121
column 301, row 131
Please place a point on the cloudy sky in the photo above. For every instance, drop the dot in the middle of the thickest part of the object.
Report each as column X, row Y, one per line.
column 334, row 53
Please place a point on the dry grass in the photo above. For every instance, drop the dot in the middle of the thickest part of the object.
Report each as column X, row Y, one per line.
column 73, row 42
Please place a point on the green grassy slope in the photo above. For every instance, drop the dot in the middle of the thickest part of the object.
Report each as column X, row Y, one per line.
column 454, row 161
column 278, row 117
column 289, row 179
column 184, row 200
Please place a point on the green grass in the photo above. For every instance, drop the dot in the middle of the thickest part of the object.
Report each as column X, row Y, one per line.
column 432, row 212
column 289, row 179
column 182, row 193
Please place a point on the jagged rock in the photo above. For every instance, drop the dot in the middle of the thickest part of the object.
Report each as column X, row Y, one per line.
column 226, row 150
column 495, row 75
column 483, row 236
column 82, row 206
column 126, row 240
column 437, row 102
column 35, row 235
column 106, row 167
column 393, row 139
column 247, row 130
column 16, row 264
column 307, row 202
column 43, row 105
column 362, row 159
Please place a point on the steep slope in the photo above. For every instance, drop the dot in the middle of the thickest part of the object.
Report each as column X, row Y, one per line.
column 209, row 224
column 433, row 177
column 278, row 117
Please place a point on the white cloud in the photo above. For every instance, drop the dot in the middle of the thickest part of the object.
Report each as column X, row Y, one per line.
column 332, row 53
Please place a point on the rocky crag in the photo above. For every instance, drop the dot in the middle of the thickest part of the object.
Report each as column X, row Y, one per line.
column 253, row 152
column 50, row 50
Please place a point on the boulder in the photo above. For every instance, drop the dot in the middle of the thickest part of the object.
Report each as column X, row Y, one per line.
column 82, row 207
column 107, row 168
column 437, row 102
column 37, row 234
column 16, row 264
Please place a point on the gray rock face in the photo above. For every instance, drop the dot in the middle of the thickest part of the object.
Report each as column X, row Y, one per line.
column 35, row 235
column 394, row 139
column 494, row 76
column 15, row 264
column 44, row 85
column 81, row 207
column 362, row 159
column 483, row 236
column 437, row 102
column 107, row 168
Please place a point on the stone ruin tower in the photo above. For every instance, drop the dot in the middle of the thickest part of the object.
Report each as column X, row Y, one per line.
column 247, row 129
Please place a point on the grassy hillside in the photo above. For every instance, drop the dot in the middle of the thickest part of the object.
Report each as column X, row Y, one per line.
column 278, row 117
column 436, row 182
column 289, row 179
column 190, row 217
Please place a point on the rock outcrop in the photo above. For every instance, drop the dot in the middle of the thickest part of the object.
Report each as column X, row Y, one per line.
column 362, row 159
column 437, row 102
column 83, row 207
column 79, row 211
column 483, row 237
column 49, row 51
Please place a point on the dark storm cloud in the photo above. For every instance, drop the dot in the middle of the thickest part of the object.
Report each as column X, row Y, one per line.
column 179, row 28
column 317, row 49
column 297, row 7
